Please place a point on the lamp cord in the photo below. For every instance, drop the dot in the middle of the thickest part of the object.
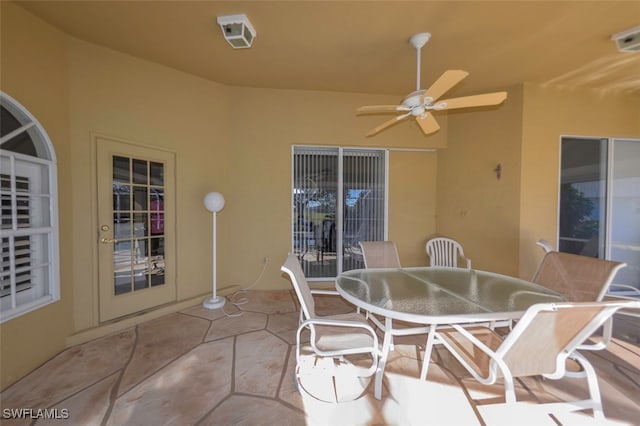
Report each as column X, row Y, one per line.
column 244, row 300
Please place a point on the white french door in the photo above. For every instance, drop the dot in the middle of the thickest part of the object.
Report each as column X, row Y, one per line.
column 136, row 219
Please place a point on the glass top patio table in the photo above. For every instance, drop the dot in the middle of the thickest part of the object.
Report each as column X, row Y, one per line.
column 434, row 295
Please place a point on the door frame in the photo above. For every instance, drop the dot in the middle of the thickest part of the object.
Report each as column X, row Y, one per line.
column 96, row 234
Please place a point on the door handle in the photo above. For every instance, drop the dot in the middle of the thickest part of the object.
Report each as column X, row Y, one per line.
column 108, row 240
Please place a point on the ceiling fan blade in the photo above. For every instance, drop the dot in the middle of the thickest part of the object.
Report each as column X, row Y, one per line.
column 382, row 108
column 388, row 123
column 428, row 123
column 472, row 101
column 443, row 84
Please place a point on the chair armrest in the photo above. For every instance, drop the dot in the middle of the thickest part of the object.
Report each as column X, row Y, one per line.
column 373, row 349
column 330, row 292
column 468, row 261
column 340, row 323
column 626, row 287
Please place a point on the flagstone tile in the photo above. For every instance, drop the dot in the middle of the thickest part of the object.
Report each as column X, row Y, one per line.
column 70, row 371
column 210, row 314
column 260, row 359
column 289, row 388
column 87, row 407
column 230, row 326
column 182, row 392
column 285, row 326
column 159, row 342
column 234, row 411
column 269, row 302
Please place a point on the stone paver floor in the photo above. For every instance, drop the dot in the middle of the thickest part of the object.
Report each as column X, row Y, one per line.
column 200, row 367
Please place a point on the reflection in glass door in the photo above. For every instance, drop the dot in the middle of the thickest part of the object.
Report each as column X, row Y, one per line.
column 138, row 224
column 136, row 228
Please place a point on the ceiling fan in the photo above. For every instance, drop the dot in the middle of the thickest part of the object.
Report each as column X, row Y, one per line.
column 421, row 103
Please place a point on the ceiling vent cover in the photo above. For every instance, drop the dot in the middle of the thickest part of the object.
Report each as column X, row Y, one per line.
column 629, row 40
column 237, row 30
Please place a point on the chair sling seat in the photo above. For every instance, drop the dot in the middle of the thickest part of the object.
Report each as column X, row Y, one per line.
column 329, row 338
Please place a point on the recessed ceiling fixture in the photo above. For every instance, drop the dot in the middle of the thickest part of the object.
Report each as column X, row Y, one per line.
column 629, row 40
column 237, row 30
column 421, row 103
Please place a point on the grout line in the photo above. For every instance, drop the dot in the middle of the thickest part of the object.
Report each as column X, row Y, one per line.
column 283, row 373
column 232, row 384
column 113, row 396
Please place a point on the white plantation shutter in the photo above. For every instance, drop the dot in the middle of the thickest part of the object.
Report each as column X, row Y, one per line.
column 29, row 234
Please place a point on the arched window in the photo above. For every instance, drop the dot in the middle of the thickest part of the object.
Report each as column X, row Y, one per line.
column 29, row 272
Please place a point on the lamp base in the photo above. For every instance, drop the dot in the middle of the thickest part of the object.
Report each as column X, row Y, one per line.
column 213, row 303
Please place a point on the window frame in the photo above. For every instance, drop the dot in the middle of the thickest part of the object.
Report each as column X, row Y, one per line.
column 49, row 285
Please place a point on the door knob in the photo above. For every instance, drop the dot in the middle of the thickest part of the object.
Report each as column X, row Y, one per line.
column 108, row 240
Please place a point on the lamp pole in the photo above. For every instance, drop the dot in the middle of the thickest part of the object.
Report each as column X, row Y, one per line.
column 214, row 202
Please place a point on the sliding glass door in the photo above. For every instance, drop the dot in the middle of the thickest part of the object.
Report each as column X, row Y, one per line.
column 339, row 199
column 600, row 203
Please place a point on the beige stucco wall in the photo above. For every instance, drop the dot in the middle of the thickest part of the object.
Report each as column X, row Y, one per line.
column 123, row 97
column 473, row 206
column 266, row 123
column 548, row 114
column 34, row 72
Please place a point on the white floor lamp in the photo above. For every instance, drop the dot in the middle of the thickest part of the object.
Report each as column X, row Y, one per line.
column 214, row 202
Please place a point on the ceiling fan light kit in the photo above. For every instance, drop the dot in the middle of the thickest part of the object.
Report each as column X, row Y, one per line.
column 421, row 103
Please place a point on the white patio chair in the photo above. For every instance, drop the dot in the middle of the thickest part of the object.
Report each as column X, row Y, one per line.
column 333, row 336
column 445, row 252
column 380, row 254
column 539, row 344
column 579, row 279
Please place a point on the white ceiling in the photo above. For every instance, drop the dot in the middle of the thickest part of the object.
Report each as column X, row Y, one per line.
column 363, row 46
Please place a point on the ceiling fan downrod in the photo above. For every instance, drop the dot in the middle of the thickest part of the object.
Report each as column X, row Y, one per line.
column 418, row 41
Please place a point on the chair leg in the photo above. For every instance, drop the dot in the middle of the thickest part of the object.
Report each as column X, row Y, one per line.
column 509, row 388
column 427, row 352
column 382, row 360
column 592, row 382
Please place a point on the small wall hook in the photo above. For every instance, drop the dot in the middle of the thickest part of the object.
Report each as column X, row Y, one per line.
column 498, row 171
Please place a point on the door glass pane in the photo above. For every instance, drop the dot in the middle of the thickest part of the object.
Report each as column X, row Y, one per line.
column 122, row 259
column 121, row 197
column 138, row 224
column 625, row 212
column 140, row 172
column 121, row 169
column 364, row 190
column 315, row 191
column 583, row 196
column 140, row 198
column 156, row 174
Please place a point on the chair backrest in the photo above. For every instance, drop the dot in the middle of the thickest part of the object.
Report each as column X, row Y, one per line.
column 578, row 278
column 292, row 268
column 547, row 333
column 380, row 254
column 444, row 252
